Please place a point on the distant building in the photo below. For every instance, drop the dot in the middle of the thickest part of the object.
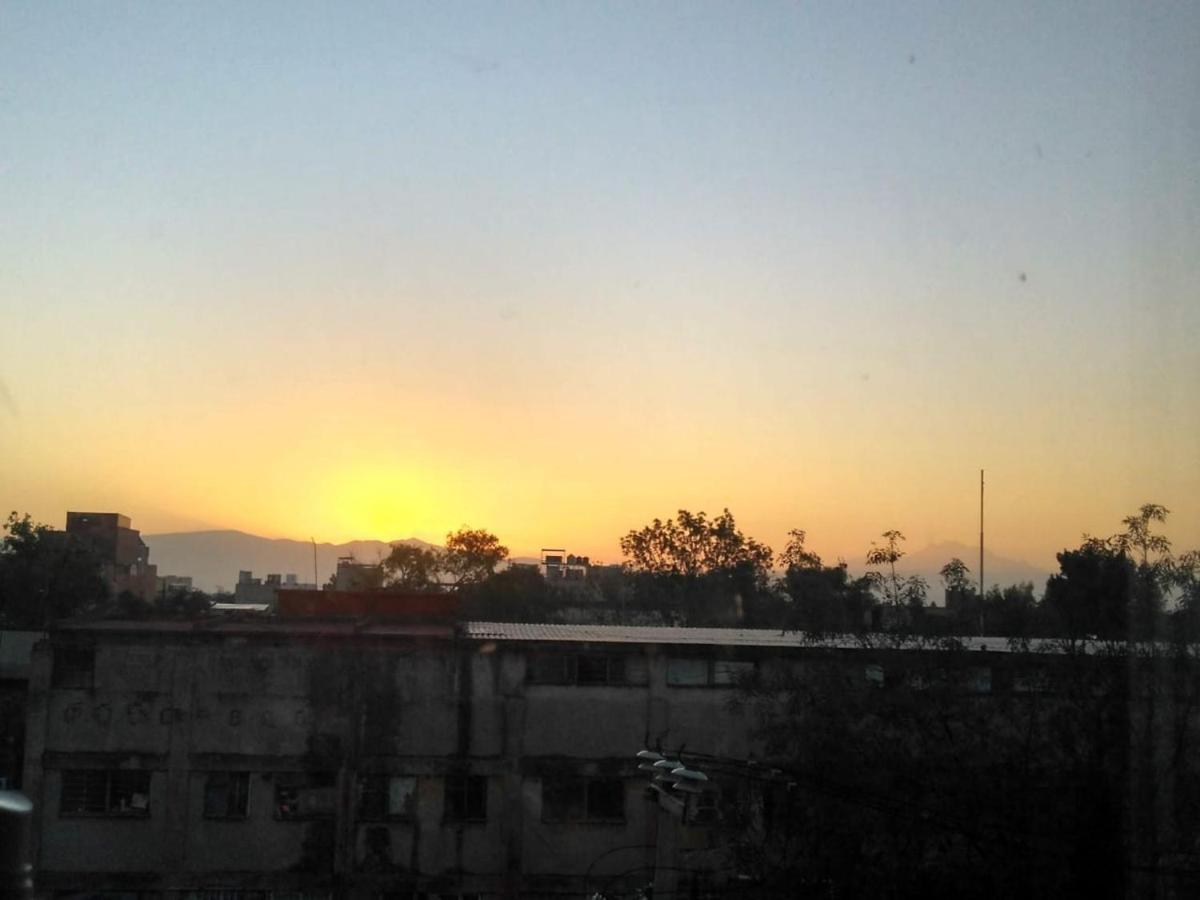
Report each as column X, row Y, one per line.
column 168, row 583
column 352, row 575
column 255, row 590
column 558, row 565
column 123, row 554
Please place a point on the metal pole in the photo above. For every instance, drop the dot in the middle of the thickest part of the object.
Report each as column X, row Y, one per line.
column 316, row 580
column 981, row 553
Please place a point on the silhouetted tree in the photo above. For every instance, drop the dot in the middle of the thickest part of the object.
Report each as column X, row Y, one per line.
column 692, row 544
column 700, row 571
column 1011, row 611
column 45, row 575
column 956, row 577
column 1138, row 536
column 795, row 555
column 471, row 556
column 906, row 593
column 1090, row 594
column 516, row 594
column 183, row 603
column 825, row 599
column 411, row 568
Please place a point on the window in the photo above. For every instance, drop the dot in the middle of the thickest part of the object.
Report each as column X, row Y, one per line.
column 580, row 799
column 101, row 792
column 466, row 798
column 74, row 667
column 226, row 795
column 699, row 671
column 304, row 795
column 587, row 668
column 979, row 680
column 874, row 674
column 1034, row 681
column 703, row 809
column 386, row 797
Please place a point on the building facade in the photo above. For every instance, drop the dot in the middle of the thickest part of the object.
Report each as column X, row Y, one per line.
column 296, row 756
column 124, row 556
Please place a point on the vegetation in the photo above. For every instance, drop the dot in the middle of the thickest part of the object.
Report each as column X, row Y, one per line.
column 919, row 777
column 45, row 575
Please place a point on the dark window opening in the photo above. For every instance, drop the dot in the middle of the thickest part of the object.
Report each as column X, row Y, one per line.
column 305, row 795
column 698, row 671
column 386, row 797
column 101, row 792
column 587, row 669
column 227, row 795
column 580, row 799
column 74, row 667
column 466, row 798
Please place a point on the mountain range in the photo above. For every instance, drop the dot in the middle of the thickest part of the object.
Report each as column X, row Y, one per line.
column 214, row 558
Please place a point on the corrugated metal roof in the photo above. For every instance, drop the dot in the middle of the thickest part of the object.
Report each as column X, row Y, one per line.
column 770, row 637
column 715, row 637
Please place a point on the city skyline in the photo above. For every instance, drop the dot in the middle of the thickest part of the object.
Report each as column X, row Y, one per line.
column 556, row 271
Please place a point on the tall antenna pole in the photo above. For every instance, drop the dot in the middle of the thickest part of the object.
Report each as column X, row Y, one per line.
column 316, row 580
column 981, row 552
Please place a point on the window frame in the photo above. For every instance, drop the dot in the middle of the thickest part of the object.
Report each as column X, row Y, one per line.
column 109, row 779
column 380, row 785
column 303, row 781
column 582, row 786
column 469, row 788
column 582, row 668
column 237, row 788
column 711, row 665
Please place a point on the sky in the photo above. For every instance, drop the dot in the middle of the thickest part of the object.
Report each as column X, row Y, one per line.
column 555, row 269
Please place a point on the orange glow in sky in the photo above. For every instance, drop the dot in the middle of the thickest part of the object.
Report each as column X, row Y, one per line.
column 326, row 276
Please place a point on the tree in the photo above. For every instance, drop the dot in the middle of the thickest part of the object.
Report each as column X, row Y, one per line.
column 1090, row 593
column 412, row 568
column 897, row 592
column 182, row 602
column 1139, row 537
column 911, row 784
column 955, row 577
column 825, row 599
column 795, row 555
column 701, row 571
column 45, row 575
column 517, row 594
column 1011, row 612
column 471, row 556
column 693, row 545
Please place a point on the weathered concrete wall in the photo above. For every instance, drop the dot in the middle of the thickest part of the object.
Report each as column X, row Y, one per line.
column 103, row 844
column 277, row 703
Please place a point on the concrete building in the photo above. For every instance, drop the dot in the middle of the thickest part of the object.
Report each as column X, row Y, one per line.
column 386, row 758
column 306, row 755
column 123, row 554
column 352, row 575
column 169, row 583
column 258, row 590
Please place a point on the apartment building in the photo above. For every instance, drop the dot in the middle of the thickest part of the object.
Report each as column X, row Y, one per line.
column 296, row 756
